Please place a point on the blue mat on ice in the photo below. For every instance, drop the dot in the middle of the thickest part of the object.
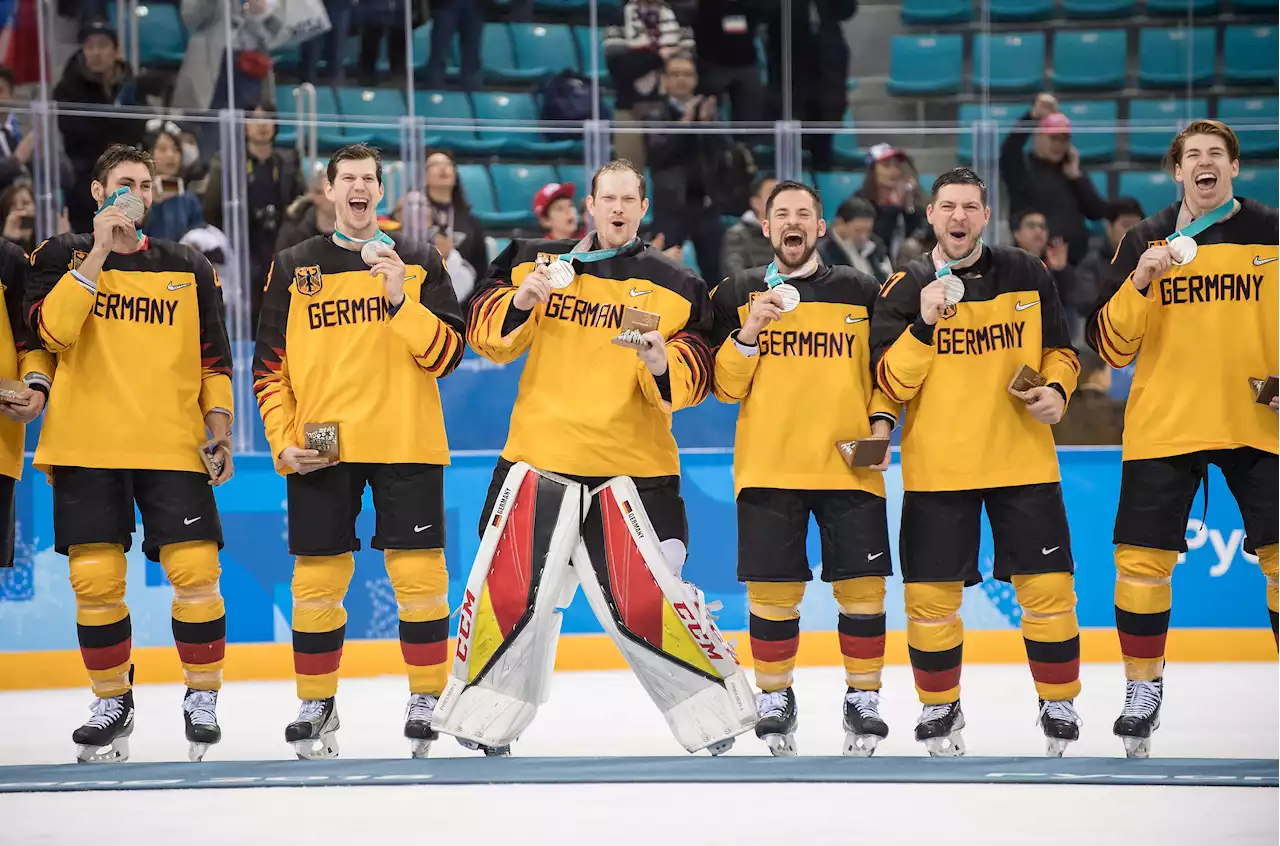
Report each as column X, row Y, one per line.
column 1190, row 772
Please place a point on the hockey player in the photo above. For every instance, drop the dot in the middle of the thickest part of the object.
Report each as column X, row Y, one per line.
column 144, row 370
column 1191, row 294
column 793, row 351
column 355, row 332
column 616, row 340
column 948, row 336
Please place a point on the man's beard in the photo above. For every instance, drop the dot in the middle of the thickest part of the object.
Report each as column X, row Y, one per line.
column 804, row 258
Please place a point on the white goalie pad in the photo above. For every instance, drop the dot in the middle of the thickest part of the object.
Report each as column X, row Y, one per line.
column 509, row 622
column 660, row 623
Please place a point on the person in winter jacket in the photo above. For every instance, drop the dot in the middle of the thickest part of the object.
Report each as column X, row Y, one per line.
column 745, row 244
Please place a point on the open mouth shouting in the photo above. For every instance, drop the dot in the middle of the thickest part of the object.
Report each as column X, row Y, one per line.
column 1206, row 182
column 793, row 241
column 359, row 206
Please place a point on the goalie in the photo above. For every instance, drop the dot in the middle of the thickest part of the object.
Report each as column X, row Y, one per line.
column 587, row 490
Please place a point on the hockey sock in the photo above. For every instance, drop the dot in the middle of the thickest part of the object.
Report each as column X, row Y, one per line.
column 1051, row 633
column 775, row 631
column 1144, row 597
column 1267, row 559
column 421, row 583
column 935, row 639
column 319, row 621
column 102, row 618
column 199, row 618
column 861, row 629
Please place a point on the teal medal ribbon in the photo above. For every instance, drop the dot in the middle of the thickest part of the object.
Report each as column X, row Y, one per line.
column 953, row 283
column 776, row 282
column 561, row 268
column 368, row 248
column 1182, row 244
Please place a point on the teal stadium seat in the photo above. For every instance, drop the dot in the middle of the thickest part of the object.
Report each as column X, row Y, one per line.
column 561, row 6
column 835, row 187
column 1241, row 113
column 926, row 64
column 332, row 137
column 582, row 35
column 1249, row 54
column 1153, row 189
column 1089, row 59
column 495, row 246
column 1004, row 114
column 845, row 146
column 1258, row 183
column 1020, row 10
column 498, row 55
column 515, row 185
column 162, row 39
column 1255, row 5
column 478, row 188
column 1164, row 60
column 1097, row 8
column 386, row 105
column 1165, row 119
column 924, row 12
column 543, row 49
column 1015, row 61
column 1181, row 8
column 514, row 108
column 1096, row 142
column 1099, row 180
column 452, row 107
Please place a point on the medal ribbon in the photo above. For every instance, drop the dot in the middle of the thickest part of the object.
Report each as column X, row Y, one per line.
column 945, row 270
column 1206, row 220
column 343, row 240
column 773, row 277
column 111, row 201
column 588, row 256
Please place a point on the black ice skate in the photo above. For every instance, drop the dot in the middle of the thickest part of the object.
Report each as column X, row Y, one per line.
column 1061, row 724
column 313, row 735
column 199, row 711
column 779, row 720
column 104, row 739
column 417, row 723
column 1140, row 717
column 939, row 730
column 864, row 728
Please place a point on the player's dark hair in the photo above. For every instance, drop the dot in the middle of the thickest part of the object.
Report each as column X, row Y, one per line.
column 854, row 208
column 619, row 166
column 118, row 154
column 960, row 176
column 355, row 153
column 791, row 185
column 761, row 180
column 1121, row 206
column 1202, row 127
column 1015, row 220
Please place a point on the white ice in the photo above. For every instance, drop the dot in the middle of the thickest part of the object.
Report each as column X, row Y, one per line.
column 1211, row 710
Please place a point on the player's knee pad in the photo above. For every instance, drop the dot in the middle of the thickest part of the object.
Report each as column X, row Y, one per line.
column 775, row 600
column 1269, row 561
column 319, row 584
column 1048, row 603
column 863, row 596
column 193, row 569
column 98, row 580
column 509, row 622
column 661, row 624
column 421, row 583
column 933, row 602
column 1144, row 578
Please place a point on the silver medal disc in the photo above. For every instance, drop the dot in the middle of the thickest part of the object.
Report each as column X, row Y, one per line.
column 369, row 252
column 790, row 296
column 560, row 274
column 1183, row 250
column 132, row 206
column 954, row 288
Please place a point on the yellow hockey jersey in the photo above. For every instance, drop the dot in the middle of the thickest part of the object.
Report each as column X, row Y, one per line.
column 330, row 350
column 807, row 385
column 585, row 406
column 962, row 428
column 21, row 355
column 142, row 355
column 1198, row 334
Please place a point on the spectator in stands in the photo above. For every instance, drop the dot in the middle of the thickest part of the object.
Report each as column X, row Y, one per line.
column 851, row 240
column 380, row 20
column 445, row 215
column 635, row 52
column 274, row 180
column 1094, row 417
column 1050, row 177
column 175, row 210
column 18, row 211
column 745, row 245
column 556, row 211
column 724, row 31
column 1030, row 232
column 1122, row 214
column 892, row 188
column 310, row 215
column 95, row 76
column 16, row 151
column 465, row 20
column 685, row 166
column 330, row 46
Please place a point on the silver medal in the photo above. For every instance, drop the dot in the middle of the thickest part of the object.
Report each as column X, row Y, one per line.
column 369, row 252
column 1183, row 249
column 954, row 289
column 790, row 296
column 132, row 206
column 560, row 274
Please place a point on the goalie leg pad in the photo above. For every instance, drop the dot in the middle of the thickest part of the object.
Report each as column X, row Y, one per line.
column 660, row 623
column 509, row 622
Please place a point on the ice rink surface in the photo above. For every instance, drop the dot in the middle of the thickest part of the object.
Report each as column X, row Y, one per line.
column 1222, row 710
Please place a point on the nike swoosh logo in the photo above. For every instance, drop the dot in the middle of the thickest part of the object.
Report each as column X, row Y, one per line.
column 871, row 557
column 1259, row 261
column 636, row 293
column 1021, row 306
column 1044, row 551
column 189, row 520
column 849, row 318
column 173, row 287
column 417, row 528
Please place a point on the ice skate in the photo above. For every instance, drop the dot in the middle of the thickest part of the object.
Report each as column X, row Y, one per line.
column 1140, row 717
column 1061, row 724
column 489, row 751
column 939, row 730
column 104, row 739
column 417, row 723
column 313, row 735
column 199, row 712
column 864, row 728
column 778, row 721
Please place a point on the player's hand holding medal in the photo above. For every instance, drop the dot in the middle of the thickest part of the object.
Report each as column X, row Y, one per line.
column 19, row 402
column 115, row 224
column 380, row 254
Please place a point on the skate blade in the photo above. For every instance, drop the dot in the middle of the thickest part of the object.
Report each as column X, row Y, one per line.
column 1137, row 747
column 419, row 748
column 321, row 749
column 116, row 752
column 949, row 746
column 1055, row 746
column 197, row 751
column 861, row 745
column 489, row 751
column 781, row 745
column 720, row 747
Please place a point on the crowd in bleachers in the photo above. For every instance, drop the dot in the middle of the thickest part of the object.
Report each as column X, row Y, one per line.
column 1054, row 77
